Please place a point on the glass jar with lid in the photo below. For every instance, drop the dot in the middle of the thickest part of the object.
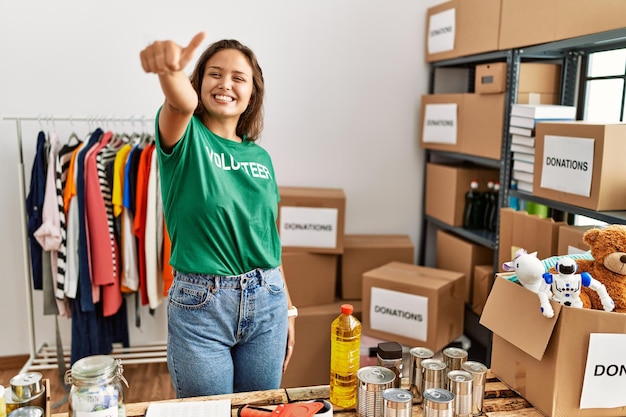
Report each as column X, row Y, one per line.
column 96, row 387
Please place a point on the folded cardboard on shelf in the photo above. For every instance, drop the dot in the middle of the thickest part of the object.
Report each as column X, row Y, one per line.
column 602, row 169
column 544, row 359
column 520, row 230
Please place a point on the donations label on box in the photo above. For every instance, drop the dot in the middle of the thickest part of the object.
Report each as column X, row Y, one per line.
column 567, row 164
column 399, row 313
column 605, row 374
column 309, row 226
column 440, row 123
column 441, row 31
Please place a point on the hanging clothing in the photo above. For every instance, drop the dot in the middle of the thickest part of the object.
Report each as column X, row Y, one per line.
column 34, row 204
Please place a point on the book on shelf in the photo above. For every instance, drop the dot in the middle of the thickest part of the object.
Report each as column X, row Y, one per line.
column 523, row 176
column 523, row 166
column 530, row 150
column 530, row 123
column 523, row 140
column 521, row 156
column 544, row 111
column 525, row 186
column 521, row 131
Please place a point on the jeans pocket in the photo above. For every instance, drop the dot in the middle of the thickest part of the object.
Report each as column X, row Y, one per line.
column 188, row 295
column 274, row 282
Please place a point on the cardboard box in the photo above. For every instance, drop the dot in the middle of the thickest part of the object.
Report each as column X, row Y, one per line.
column 490, row 78
column 413, row 305
column 311, row 219
column 571, row 239
column 461, row 27
column 544, row 359
column 518, row 229
column 527, row 22
column 311, row 277
column 364, row 252
column 604, row 184
column 541, row 78
column 467, row 123
column 537, row 98
column 483, row 278
column 446, row 185
column 580, row 17
column 457, row 254
column 310, row 362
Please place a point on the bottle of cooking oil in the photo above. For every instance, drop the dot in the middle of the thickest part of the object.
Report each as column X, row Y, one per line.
column 345, row 349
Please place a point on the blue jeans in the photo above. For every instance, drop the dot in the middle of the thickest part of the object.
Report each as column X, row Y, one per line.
column 226, row 333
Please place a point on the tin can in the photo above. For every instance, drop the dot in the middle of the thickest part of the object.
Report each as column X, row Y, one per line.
column 29, row 397
column 372, row 381
column 96, row 387
column 28, row 411
column 397, row 403
column 460, row 384
column 26, row 386
column 454, row 358
column 479, row 372
column 438, row 402
column 433, row 374
column 417, row 354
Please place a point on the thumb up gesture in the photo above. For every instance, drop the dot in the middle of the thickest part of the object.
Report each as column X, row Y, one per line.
column 162, row 57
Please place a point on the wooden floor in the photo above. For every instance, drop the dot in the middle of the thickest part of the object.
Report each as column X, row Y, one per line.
column 146, row 382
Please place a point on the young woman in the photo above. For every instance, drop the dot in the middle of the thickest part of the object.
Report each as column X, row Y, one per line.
column 230, row 319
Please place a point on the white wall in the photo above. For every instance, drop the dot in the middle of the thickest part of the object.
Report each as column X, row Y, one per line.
column 343, row 81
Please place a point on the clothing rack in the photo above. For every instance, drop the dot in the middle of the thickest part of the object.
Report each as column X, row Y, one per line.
column 46, row 357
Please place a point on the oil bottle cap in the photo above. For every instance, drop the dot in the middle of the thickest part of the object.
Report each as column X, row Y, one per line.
column 347, row 309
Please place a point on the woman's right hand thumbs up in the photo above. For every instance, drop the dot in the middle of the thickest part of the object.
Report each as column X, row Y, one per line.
column 162, row 57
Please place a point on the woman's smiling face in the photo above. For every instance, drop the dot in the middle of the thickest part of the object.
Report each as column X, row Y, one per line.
column 227, row 85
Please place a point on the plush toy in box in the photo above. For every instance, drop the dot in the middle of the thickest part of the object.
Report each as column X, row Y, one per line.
column 596, row 279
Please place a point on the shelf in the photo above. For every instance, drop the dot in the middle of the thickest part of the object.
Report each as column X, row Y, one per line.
column 617, row 217
column 480, row 236
column 487, row 162
column 603, row 40
column 472, row 59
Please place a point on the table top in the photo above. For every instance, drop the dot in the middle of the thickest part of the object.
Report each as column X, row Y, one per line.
column 500, row 400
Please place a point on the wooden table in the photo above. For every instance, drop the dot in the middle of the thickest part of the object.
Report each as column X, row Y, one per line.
column 500, row 401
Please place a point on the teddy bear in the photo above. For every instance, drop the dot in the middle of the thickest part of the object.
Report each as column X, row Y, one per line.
column 608, row 248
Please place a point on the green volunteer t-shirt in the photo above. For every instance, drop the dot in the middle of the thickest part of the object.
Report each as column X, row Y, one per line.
column 220, row 200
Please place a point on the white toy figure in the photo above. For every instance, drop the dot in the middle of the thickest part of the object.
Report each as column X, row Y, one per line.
column 528, row 268
column 565, row 287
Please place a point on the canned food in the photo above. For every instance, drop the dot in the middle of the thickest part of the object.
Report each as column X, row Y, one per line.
column 418, row 354
column 460, row 384
column 454, row 358
column 28, row 411
column 434, row 374
column 438, row 402
column 479, row 372
column 11, row 404
column 397, row 403
column 372, row 381
column 26, row 386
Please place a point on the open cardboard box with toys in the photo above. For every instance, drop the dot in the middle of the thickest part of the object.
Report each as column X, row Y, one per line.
column 573, row 363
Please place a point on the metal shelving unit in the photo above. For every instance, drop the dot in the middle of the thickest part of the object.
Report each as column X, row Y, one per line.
column 571, row 53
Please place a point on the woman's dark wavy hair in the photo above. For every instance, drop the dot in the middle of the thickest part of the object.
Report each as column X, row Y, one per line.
column 251, row 120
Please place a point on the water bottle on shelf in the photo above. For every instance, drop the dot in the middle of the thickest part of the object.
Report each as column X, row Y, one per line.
column 493, row 210
column 345, row 350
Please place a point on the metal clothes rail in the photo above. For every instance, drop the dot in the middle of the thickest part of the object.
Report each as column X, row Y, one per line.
column 46, row 357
